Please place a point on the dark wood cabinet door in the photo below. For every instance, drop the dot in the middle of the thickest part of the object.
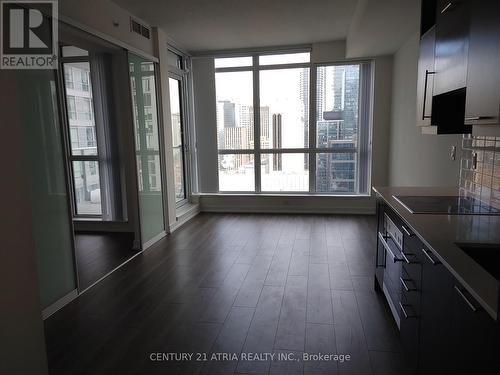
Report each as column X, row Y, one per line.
column 452, row 41
column 425, row 79
column 410, row 319
column 473, row 337
column 483, row 76
column 435, row 323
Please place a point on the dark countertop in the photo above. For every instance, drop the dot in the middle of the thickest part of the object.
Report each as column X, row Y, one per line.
column 441, row 232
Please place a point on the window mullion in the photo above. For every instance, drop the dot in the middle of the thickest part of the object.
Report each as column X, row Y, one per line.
column 256, row 123
column 312, row 129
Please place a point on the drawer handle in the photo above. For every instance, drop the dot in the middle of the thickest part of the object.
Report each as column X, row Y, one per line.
column 467, row 301
column 428, row 255
column 410, row 234
column 387, row 248
column 479, row 118
column 408, row 261
column 405, row 285
column 405, row 313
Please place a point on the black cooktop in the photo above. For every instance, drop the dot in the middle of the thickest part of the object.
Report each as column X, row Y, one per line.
column 447, row 205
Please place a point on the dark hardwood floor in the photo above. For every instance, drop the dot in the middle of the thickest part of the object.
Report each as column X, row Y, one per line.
column 236, row 284
column 99, row 253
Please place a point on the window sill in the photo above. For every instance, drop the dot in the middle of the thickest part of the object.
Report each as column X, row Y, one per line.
column 275, row 195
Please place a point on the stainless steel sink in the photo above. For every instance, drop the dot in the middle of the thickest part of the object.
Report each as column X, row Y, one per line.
column 486, row 255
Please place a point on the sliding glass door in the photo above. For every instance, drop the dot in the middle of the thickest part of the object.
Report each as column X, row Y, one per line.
column 177, row 119
column 147, row 146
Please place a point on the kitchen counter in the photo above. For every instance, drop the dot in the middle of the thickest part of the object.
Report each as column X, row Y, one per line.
column 440, row 232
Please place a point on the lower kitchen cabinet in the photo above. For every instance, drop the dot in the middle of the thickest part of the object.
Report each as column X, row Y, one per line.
column 443, row 328
column 473, row 337
column 436, row 309
column 410, row 328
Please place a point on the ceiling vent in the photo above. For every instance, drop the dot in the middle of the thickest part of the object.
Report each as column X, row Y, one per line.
column 139, row 28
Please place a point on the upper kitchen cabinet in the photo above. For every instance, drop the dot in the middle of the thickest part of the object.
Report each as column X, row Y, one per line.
column 483, row 75
column 425, row 79
column 452, row 44
column 442, row 67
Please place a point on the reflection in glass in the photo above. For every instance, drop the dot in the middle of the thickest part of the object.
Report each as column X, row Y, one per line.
column 284, row 172
column 177, row 138
column 336, row 172
column 52, row 231
column 144, row 101
column 80, row 108
column 235, row 126
column 236, row 172
column 87, row 187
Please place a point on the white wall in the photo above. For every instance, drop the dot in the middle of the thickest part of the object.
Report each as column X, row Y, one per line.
column 416, row 159
column 100, row 17
column 381, row 119
column 205, row 120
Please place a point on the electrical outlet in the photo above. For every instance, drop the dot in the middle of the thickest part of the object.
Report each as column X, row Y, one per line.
column 453, row 153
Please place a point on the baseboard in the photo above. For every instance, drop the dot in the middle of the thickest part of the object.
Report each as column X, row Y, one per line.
column 153, row 240
column 102, row 226
column 59, row 304
column 185, row 217
column 287, row 204
column 283, row 210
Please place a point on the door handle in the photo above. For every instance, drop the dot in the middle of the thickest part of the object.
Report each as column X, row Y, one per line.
column 464, row 297
column 427, row 73
column 447, row 7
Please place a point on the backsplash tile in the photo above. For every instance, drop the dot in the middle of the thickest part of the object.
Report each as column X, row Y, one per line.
column 483, row 181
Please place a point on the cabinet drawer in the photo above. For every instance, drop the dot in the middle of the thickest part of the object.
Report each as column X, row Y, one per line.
column 413, row 272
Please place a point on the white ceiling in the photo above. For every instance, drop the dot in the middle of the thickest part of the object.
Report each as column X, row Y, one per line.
column 203, row 25
column 370, row 27
column 380, row 27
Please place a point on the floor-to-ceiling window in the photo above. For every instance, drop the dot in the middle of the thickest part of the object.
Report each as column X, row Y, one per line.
column 285, row 125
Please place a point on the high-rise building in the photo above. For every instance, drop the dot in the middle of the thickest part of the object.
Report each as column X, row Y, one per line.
column 229, row 111
column 304, row 110
column 264, row 123
column 277, row 141
column 226, row 118
column 337, row 92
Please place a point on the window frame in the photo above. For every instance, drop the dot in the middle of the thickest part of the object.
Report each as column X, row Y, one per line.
column 181, row 72
column 65, row 98
column 365, row 119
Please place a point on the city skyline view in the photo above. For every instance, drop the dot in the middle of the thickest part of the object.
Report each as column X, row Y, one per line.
column 284, row 124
